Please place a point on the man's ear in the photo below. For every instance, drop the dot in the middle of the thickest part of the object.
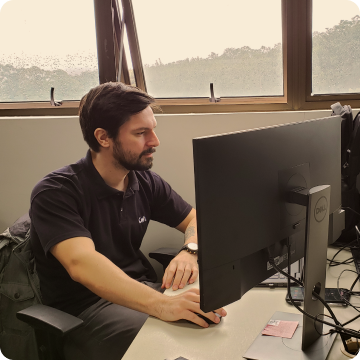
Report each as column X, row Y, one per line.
column 102, row 137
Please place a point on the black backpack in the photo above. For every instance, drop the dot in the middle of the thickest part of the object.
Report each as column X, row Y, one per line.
column 350, row 168
column 19, row 289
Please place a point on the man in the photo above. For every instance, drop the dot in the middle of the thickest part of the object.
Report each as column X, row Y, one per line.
column 88, row 221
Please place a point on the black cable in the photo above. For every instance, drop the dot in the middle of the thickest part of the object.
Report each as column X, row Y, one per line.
column 291, row 299
column 352, row 286
column 346, row 261
column 313, row 293
column 272, row 262
column 349, row 208
column 288, row 276
column 356, row 228
column 341, row 249
column 357, row 235
column 355, row 293
column 329, row 332
column 350, row 291
column 337, row 263
column 338, row 328
column 338, row 288
column 348, row 322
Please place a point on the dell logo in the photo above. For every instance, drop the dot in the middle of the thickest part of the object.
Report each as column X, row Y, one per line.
column 321, row 209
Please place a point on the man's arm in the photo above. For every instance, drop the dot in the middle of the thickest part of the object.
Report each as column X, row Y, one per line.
column 93, row 270
column 183, row 268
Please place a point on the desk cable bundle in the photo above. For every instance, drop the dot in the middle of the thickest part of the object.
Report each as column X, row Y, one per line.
column 346, row 334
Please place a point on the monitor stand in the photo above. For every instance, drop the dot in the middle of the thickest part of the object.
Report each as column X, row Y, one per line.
column 306, row 343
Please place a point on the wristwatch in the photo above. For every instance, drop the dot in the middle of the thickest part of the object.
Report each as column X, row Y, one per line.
column 191, row 248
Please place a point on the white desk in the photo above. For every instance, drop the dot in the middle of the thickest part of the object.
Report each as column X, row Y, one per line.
column 230, row 339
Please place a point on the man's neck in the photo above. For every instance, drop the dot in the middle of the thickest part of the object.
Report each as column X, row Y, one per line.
column 113, row 176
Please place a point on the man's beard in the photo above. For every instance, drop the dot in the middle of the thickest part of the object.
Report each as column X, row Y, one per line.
column 131, row 161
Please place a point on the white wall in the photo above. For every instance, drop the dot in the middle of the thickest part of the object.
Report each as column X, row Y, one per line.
column 31, row 147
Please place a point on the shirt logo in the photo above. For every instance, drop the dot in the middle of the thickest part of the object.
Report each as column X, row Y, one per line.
column 142, row 219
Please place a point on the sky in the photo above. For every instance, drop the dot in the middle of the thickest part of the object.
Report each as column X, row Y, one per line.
column 61, row 33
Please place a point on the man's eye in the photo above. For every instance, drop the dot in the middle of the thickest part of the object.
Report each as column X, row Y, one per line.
column 140, row 133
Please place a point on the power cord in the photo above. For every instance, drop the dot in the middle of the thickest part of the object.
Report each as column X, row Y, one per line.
column 332, row 262
column 338, row 327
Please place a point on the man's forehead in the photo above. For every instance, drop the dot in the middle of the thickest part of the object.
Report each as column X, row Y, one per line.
column 142, row 120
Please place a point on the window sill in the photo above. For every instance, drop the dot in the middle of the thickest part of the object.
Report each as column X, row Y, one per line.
column 68, row 108
column 191, row 105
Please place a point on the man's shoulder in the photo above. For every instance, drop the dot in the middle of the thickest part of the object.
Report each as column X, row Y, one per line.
column 69, row 176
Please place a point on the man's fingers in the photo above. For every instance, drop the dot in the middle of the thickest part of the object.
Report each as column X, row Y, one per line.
column 186, row 276
column 199, row 318
column 187, row 306
column 179, row 273
column 196, row 320
column 195, row 273
column 178, row 276
column 164, row 279
column 221, row 312
column 194, row 308
column 195, row 291
column 181, row 270
column 168, row 276
column 193, row 295
column 213, row 317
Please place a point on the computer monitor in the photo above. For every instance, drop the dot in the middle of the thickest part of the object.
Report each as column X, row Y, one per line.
column 241, row 181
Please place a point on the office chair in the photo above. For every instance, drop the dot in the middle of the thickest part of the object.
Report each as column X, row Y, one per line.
column 51, row 326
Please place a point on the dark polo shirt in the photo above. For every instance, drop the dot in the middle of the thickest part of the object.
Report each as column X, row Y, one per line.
column 75, row 201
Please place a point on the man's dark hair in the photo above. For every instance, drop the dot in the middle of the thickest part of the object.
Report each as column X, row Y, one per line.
column 108, row 106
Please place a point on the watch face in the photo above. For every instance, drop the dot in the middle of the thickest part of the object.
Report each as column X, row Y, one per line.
column 192, row 246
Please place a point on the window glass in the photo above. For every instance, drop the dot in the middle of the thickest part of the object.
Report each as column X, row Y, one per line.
column 336, row 46
column 186, row 45
column 44, row 44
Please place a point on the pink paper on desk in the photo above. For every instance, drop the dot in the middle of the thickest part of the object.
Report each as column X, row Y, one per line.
column 280, row 328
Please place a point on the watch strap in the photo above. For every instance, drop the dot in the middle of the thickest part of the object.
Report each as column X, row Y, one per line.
column 185, row 247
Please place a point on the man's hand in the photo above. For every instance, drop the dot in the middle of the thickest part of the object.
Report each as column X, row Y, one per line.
column 185, row 306
column 181, row 270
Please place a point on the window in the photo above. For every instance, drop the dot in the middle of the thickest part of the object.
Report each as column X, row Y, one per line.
column 44, row 44
column 260, row 55
column 194, row 43
column 336, row 47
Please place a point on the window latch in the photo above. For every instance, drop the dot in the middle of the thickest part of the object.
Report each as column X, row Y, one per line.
column 213, row 98
column 52, row 101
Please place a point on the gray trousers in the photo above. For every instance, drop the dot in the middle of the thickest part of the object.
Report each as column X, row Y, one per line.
column 107, row 332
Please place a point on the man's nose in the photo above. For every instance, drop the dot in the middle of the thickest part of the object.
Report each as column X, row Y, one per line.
column 154, row 140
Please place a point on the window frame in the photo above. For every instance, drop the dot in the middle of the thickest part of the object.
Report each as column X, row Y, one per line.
column 110, row 18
